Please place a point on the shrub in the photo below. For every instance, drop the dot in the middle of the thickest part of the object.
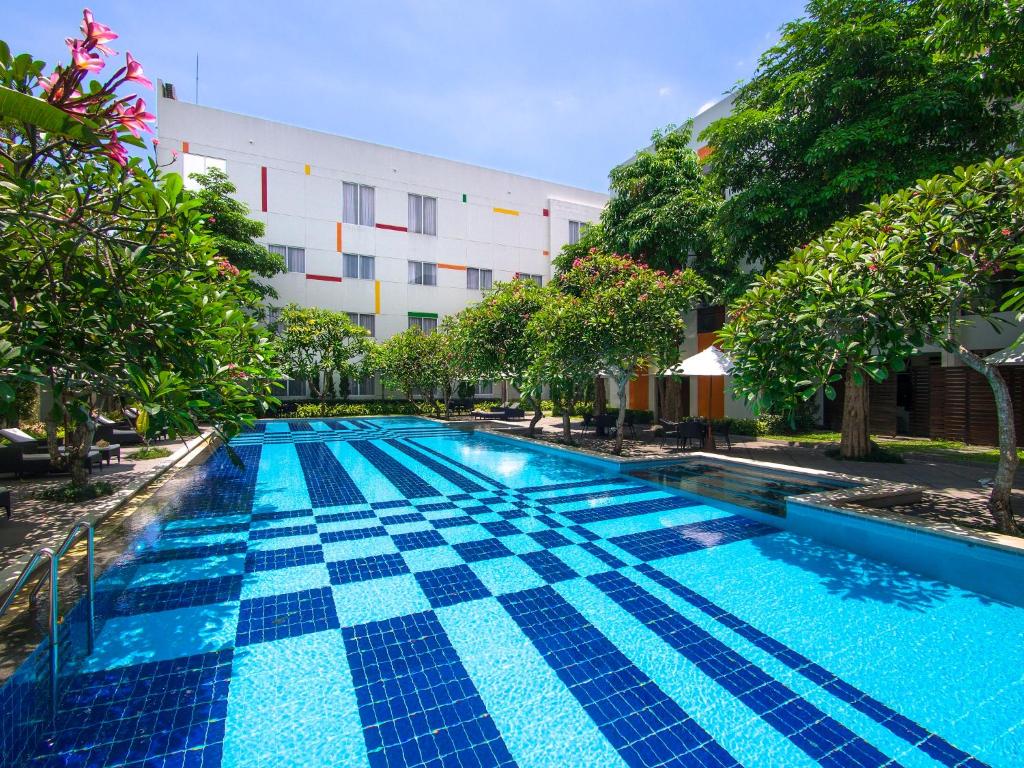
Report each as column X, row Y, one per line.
column 72, row 493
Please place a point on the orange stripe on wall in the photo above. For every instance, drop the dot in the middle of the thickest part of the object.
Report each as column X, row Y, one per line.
column 337, row 235
column 451, row 266
column 184, row 146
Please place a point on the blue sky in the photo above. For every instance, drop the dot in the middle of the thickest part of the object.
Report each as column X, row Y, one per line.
column 561, row 90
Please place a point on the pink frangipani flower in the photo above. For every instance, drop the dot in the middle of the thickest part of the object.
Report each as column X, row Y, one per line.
column 95, row 32
column 83, row 58
column 135, row 118
column 133, row 71
column 116, row 151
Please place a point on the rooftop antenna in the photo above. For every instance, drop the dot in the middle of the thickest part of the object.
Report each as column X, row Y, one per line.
column 197, row 77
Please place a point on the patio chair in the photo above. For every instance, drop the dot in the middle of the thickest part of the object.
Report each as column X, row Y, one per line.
column 721, row 430
column 514, row 414
column 113, row 432
column 584, row 426
column 668, row 429
column 630, row 423
column 690, row 431
column 606, row 425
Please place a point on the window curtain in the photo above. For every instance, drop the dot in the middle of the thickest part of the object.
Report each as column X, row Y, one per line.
column 430, row 215
column 366, row 269
column 349, row 203
column 415, row 213
column 366, row 217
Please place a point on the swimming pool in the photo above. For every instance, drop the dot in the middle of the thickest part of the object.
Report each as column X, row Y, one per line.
column 393, row 592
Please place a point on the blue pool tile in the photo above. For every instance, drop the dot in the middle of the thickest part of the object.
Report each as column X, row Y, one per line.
column 549, row 521
column 393, row 504
column 550, row 539
column 366, row 568
column 326, row 480
column 603, row 555
column 548, row 566
column 440, row 468
column 644, row 725
column 344, row 517
column 482, row 549
column 506, row 574
column 466, row 470
column 408, row 483
column 179, row 594
column 378, row 599
column 429, row 559
column 418, row 540
column 452, row 522
column 264, row 619
column 521, row 544
column 270, row 559
column 353, row 534
column 615, row 511
column 269, row 515
column 166, row 713
column 188, row 553
column 448, row 586
column 416, row 700
column 500, row 528
column 584, row 533
column 797, row 719
column 437, row 506
column 680, row 539
column 406, row 517
column 278, row 532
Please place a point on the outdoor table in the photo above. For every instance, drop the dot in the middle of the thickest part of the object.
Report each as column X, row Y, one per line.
column 108, row 451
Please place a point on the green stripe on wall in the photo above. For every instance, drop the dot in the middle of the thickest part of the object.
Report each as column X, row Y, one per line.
column 432, row 315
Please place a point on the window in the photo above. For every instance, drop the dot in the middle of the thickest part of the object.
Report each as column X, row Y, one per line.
column 357, row 204
column 369, row 322
column 425, row 324
column 363, row 387
column 358, row 266
column 478, row 279
column 290, row 388
column 576, row 231
column 422, row 273
column 485, row 388
column 294, row 258
column 198, row 164
column 423, row 214
column 538, row 279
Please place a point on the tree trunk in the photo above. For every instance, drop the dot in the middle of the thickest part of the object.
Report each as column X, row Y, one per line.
column 79, row 442
column 538, row 414
column 622, row 384
column 600, row 396
column 1000, row 501
column 856, row 437
column 568, row 406
column 504, row 393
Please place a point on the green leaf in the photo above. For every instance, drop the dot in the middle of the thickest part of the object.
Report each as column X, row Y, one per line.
column 28, row 109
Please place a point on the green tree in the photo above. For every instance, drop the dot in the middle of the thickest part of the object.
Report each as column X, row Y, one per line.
column 421, row 365
column 563, row 335
column 113, row 286
column 853, row 103
column 495, row 342
column 315, row 344
column 908, row 271
column 637, row 315
column 234, row 233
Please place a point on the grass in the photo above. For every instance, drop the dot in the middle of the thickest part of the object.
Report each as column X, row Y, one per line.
column 69, row 493
column 952, row 450
column 149, row 453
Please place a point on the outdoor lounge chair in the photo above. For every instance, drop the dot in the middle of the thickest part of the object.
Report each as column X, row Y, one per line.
column 721, row 430
column 493, row 413
column 113, row 432
column 19, row 438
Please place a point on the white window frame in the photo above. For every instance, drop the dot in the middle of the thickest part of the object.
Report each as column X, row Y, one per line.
column 199, row 164
column 538, row 279
column 422, row 214
column 418, row 273
column 363, row 387
column 484, row 387
column 363, row 204
column 478, row 279
column 364, row 320
column 427, row 325
column 576, row 229
column 365, row 267
column 294, row 257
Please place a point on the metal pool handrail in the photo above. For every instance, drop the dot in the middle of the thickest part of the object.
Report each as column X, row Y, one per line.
column 33, row 563
column 73, row 536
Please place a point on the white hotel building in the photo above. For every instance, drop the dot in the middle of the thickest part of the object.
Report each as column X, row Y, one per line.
column 394, row 238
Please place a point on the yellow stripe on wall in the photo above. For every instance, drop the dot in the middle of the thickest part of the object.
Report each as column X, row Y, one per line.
column 307, row 169
column 376, row 297
column 337, row 236
column 506, row 211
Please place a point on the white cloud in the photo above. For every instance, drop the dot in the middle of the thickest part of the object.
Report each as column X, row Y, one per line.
column 706, row 106
column 664, row 91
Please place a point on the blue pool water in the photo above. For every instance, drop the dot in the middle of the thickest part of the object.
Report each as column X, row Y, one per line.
column 391, row 592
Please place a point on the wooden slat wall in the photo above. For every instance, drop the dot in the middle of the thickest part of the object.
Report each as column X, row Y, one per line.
column 920, row 382
column 882, row 401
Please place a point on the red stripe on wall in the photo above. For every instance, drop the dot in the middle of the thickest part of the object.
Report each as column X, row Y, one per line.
column 325, row 278
column 546, row 212
column 263, row 185
column 393, row 227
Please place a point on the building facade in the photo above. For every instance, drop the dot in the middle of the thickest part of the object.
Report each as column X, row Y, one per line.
column 394, row 238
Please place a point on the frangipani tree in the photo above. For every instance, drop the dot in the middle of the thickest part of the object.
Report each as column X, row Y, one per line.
column 112, row 285
column 638, row 315
column 313, row 344
column 495, row 340
column 419, row 364
column 563, row 335
column 909, row 270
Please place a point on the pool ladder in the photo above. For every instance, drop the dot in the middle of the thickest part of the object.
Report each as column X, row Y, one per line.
column 53, row 611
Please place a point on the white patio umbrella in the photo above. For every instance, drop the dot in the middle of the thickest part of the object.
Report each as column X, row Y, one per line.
column 1012, row 355
column 711, row 362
